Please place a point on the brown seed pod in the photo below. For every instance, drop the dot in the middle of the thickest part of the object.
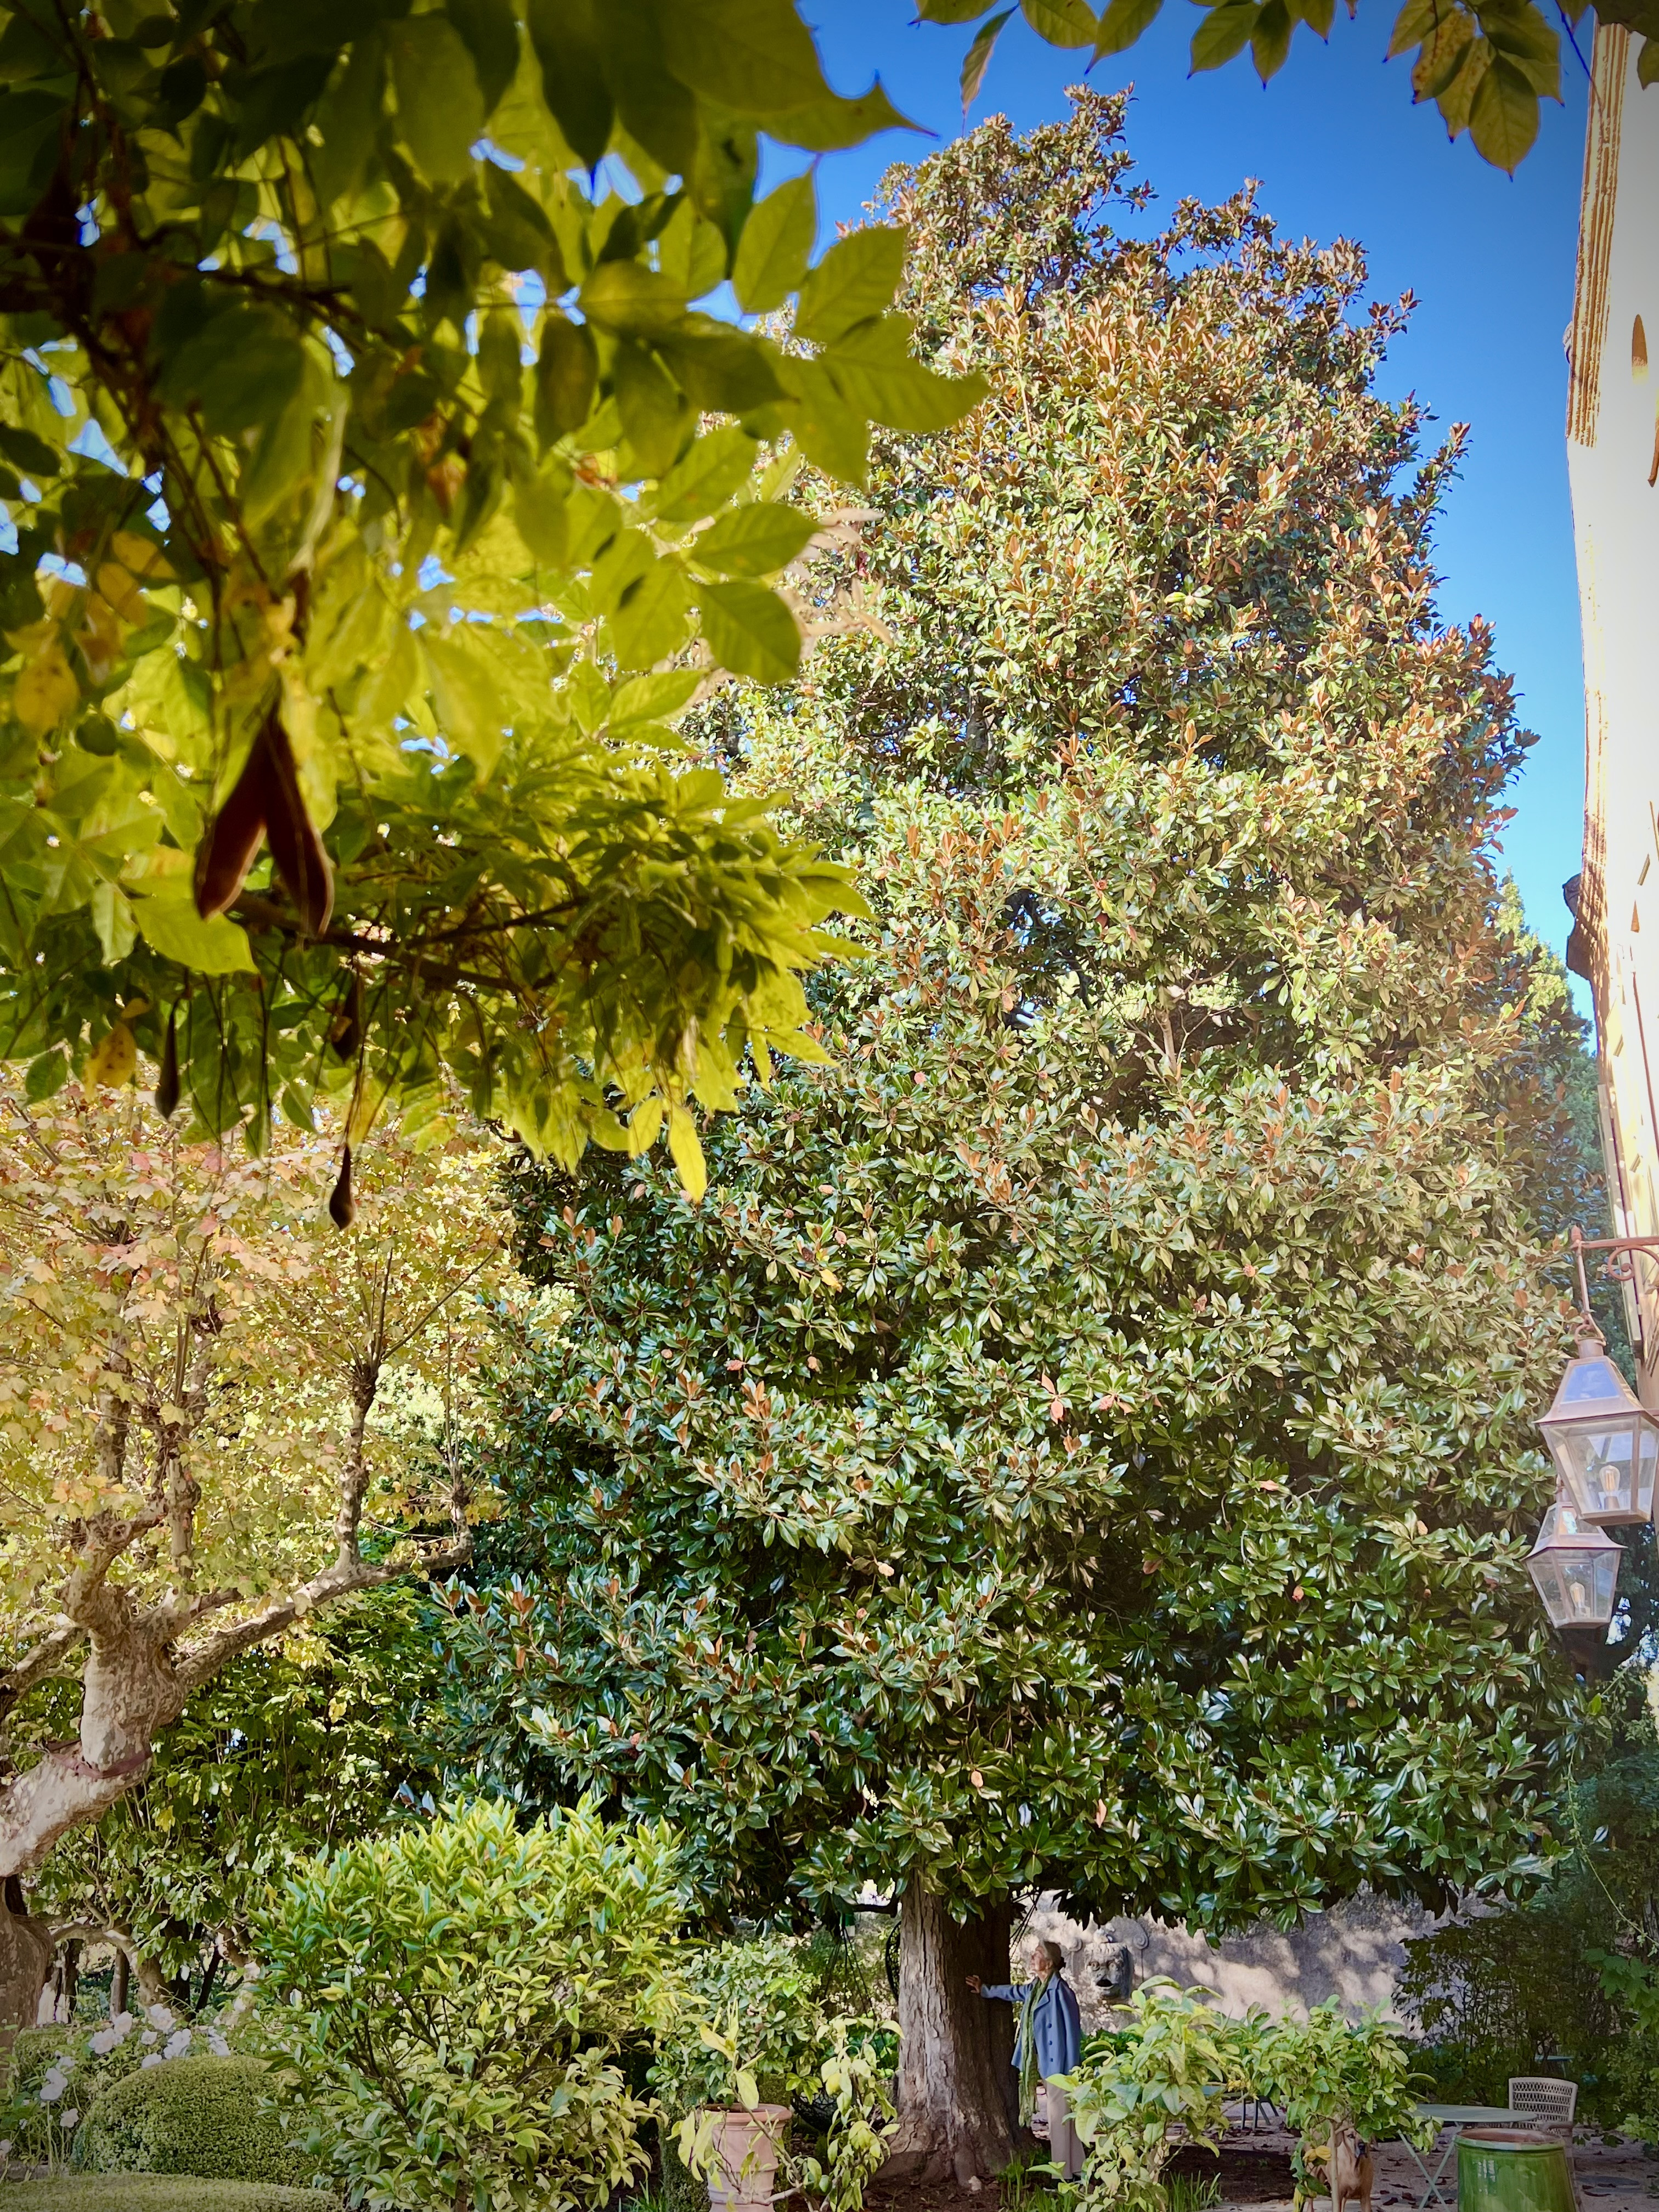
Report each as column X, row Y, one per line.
column 228, row 851
column 167, row 1083
column 345, row 1031
column 295, row 846
column 342, row 1207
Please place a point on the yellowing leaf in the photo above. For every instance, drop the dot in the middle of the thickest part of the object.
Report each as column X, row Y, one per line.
column 168, row 921
column 45, row 691
column 465, row 697
column 111, row 1061
column 686, row 1152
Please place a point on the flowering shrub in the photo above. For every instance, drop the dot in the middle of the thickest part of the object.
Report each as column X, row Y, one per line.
column 58, row 2073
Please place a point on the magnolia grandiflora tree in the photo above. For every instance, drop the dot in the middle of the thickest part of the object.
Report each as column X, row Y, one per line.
column 1086, row 1441
column 213, row 1424
column 383, row 488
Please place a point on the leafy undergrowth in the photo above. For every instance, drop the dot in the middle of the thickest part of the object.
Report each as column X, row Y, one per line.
column 155, row 2192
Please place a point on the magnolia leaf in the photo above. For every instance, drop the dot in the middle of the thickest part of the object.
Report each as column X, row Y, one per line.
column 750, row 631
column 686, row 1152
column 776, row 243
column 168, row 921
column 977, row 59
column 755, row 541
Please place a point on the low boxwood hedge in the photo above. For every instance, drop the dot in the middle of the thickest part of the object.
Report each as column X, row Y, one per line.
column 155, row 2192
column 204, row 2116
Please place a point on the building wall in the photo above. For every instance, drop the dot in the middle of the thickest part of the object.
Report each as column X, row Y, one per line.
column 1613, row 451
column 1355, row 1953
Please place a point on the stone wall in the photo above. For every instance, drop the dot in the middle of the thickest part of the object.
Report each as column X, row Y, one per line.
column 1355, row 1953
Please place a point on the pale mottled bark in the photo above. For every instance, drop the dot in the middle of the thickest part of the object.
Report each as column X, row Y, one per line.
column 954, row 2075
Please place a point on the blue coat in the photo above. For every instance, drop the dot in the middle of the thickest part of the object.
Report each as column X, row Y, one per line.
column 1056, row 2025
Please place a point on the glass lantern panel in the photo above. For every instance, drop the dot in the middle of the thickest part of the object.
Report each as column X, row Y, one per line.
column 1647, row 1466
column 1577, row 1587
column 1546, row 1580
column 1599, row 1464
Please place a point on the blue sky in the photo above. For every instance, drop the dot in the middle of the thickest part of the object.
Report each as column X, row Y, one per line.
column 1339, row 151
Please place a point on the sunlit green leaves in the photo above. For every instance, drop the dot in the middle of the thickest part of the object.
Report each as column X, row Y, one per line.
column 750, row 631
column 404, row 305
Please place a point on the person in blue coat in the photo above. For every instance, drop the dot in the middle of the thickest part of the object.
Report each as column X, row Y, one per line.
column 1049, row 2043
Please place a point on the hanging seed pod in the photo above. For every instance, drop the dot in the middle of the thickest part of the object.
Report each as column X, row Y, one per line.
column 342, row 1207
column 167, row 1083
column 295, row 846
column 345, row 1031
column 229, row 849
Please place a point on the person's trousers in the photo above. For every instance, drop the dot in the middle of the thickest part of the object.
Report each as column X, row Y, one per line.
column 1064, row 2151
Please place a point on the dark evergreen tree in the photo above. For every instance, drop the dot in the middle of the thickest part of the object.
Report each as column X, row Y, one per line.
column 1083, row 1438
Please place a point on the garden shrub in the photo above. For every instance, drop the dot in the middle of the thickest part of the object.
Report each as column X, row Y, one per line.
column 208, row 2117
column 448, row 2004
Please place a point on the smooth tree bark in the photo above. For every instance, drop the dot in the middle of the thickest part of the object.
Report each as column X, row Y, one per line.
column 956, row 2115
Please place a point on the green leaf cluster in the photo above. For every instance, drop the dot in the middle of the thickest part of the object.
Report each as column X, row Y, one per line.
column 446, row 2005
column 381, row 482
column 1484, row 64
column 1176, row 2063
column 1088, row 1442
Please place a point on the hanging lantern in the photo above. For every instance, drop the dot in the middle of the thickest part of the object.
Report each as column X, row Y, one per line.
column 1574, row 1570
column 1605, row 1445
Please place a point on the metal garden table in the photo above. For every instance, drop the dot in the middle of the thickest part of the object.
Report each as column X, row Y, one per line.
column 1451, row 2120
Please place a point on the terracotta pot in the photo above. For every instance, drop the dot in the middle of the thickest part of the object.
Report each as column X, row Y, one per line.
column 746, row 2147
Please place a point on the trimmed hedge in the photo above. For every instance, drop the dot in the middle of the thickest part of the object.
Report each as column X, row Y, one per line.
column 154, row 2192
column 204, row 2116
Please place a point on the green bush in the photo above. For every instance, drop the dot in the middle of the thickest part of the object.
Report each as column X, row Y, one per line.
column 155, row 2192
column 211, row 2117
column 446, row 2004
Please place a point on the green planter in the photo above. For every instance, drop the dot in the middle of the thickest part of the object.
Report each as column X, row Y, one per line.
column 1512, row 2169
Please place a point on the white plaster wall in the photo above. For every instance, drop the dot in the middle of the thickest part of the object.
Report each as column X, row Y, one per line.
column 1354, row 1953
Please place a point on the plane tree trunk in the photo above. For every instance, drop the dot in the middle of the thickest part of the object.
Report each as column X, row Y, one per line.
column 956, row 2113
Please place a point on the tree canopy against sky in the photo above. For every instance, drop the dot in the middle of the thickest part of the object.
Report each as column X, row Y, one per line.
column 213, row 1424
column 1085, row 1440
column 1484, row 64
column 378, row 495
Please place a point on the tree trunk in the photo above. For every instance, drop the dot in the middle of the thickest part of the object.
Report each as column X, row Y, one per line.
column 120, row 1973
column 25, row 1948
column 956, row 2079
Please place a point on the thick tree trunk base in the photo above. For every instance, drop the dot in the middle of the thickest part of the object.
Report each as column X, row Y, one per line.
column 956, row 2119
column 26, row 1949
